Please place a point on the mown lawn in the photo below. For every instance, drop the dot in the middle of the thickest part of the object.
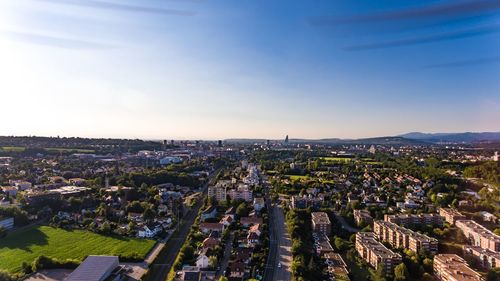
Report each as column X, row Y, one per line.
column 27, row 244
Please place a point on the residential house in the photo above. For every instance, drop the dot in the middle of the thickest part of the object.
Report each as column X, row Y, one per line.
column 248, row 221
column 207, row 227
column 6, row 223
column 209, row 213
column 258, row 203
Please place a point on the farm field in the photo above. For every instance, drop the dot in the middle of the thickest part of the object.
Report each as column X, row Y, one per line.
column 27, row 244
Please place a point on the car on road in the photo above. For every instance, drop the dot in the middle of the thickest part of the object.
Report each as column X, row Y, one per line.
column 279, row 264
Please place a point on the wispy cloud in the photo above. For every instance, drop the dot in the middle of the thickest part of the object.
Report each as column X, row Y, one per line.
column 122, row 7
column 464, row 63
column 426, row 39
column 428, row 12
column 53, row 41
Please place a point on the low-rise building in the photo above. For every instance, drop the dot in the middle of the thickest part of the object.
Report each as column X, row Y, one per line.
column 479, row 235
column 375, row 253
column 298, row 202
column 6, row 223
column 95, row 268
column 11, row 191
column 209, row 213
column 22, row 185
column 217, row 192
column 258, row 203
column 336, row 265
column 243, row 192
column 248, row 221
column 411, row 219
column 362, row 216
column 487, row 258
column 451, row 215
column 321, row 223
column 207, row 227
column 400, row 237
column 450, row 267
column 323, row 245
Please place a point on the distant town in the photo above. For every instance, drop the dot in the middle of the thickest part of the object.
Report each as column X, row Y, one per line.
column 411, row 207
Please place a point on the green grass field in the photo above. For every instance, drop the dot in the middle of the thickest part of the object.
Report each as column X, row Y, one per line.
column 336, row 159
column 75, row 150
column 27, row 244
column 12, row 148
column 295, row 177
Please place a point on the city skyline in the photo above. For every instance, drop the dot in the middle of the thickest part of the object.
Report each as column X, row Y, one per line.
column 217, row 70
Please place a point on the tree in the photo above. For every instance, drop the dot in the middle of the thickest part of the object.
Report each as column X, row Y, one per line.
column 242, row 210
column 493, row 274
column 212, row 262
column 148, row 215
column 5, row 276
column 379, row 274
column 223, row 278
column 401, row 272
column 105, row 228
column 340, row 244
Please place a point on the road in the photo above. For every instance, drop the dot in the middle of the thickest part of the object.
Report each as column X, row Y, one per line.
column 284, row 247
column 273, row 247
column 164, row 262
column 280, row 248
column 344, row 224
column 227, row 254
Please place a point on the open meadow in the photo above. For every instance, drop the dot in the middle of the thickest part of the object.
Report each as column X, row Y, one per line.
column 27, row 244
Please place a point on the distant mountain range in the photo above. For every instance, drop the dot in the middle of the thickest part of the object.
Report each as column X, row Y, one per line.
column 414, row 138
column 467, row 137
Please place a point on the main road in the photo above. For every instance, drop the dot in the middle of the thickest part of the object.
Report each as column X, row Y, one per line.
column 279, row 261
column 163, row 263
column 283, row 260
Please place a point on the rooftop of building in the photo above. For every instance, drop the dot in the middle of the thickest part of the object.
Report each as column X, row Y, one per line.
column 479, row 229
column 368, row 239
column 94, row 268
column 320, row 218
column 457, row 267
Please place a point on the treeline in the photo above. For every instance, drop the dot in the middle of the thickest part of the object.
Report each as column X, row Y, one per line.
column 20, row 216
column 41, row 262
column 306, row 265
column 156, row 177
column 82, row 143
column 488, row 171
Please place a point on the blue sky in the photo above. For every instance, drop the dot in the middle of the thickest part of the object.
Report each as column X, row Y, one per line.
column 218, row 69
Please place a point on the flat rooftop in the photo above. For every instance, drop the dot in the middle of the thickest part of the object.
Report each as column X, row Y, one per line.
column 94, row 268
column 479, row 229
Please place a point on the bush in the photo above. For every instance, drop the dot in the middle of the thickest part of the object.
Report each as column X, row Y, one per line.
column 5, row 276
column 44, row 262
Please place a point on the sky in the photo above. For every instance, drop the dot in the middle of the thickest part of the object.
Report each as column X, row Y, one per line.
column 212, row 69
